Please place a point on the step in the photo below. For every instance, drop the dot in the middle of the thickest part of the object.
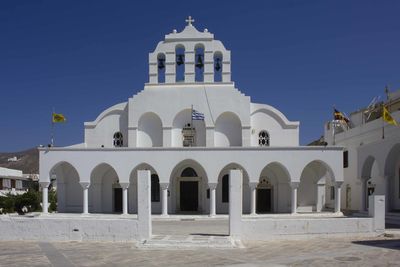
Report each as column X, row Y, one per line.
column 189, row 242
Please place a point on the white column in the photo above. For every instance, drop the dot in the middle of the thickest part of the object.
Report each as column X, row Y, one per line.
column 212, row 188
column 338, row 188
column 45, row 196
column 294, row 186
column 144, row 205
column 85, row 186
column 164, row 199
column 253, row 188
column 235, row 203
column 124, row 198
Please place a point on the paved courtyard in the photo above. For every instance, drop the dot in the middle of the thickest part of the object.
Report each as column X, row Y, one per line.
column 378, row 251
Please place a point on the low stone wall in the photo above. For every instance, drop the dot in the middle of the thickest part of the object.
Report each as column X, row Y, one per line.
column 275, row 228
column 65, row 228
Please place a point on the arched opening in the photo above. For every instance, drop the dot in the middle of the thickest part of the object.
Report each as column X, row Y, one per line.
column 218, row 67
column 273, row 192
column 150, row 132
column 161, row 68
column 179, row 63
column 392, row 172
column 183, row 120
column 105, row 192
column 372, row 183
column 199, row 62
column 118, row 139
column 228, row 130
column 188, row 189
column 69, row 191
column 222, row 190
column 316, row 191
column 155, row 190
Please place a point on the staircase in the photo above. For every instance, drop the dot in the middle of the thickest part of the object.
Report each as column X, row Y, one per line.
column 189, row 242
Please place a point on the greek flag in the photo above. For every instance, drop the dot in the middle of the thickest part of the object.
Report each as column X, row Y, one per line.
column 197, row 115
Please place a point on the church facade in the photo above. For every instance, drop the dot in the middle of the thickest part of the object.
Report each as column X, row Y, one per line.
column 190, row 126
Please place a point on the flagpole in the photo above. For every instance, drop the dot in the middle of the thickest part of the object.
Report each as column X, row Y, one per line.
column 383, row 122
column 333, row 126
column 52, row 129
column 191, row 118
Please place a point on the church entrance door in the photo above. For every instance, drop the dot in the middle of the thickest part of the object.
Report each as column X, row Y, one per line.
column 189, row 191
column 264, row 200
column 118, row 200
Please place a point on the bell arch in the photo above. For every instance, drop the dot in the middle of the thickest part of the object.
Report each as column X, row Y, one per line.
column 161, row 68
column 179, row 63
column 228, row 130
column 218, row 66
column 199, row 62
column 150, row 131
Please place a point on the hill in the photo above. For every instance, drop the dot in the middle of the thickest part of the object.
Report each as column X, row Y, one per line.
column 28, row 160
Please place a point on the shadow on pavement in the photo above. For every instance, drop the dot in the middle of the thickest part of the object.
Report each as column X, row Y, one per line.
column 389, row 244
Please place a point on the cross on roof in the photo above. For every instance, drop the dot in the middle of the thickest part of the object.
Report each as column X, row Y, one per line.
column 189, row 20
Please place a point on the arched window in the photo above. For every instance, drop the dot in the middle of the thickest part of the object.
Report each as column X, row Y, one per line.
column 225, row 188
column 118, row 139
column 199, row 63
column 161, row 67
column 155, row 188
column 180, row 63
column 189, row 172
column 217, row 67
column 263, row 138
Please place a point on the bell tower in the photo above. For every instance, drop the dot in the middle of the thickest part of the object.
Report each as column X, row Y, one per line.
column 189, row 56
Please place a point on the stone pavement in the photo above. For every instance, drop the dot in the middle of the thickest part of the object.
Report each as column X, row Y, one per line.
column 382, row 251
column 371, row 251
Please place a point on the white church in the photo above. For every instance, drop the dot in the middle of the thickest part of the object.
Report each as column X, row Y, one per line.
column 190, row 126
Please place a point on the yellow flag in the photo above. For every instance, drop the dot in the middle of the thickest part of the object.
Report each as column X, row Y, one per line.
column 387, row 117
column 58, row 118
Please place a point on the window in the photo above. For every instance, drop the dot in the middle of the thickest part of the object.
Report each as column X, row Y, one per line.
column 332, row 192
column 155, row 188
column 208, row 193
column 345, row 159
column 189, row 172
column 225, row 188
column 118, row 139
column 263, row 138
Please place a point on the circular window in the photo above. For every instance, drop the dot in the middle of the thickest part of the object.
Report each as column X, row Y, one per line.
column 118, row 139
column 263, row 138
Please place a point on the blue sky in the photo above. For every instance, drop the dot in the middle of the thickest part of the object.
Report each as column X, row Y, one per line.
column 81, row 57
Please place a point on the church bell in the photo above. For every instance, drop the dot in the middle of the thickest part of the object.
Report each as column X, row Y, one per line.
column 179, row 60
column 199, row 63
column 217, row 64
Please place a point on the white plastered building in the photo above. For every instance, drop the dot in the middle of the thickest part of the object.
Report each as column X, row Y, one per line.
column 190, row 159
column 372, row 156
